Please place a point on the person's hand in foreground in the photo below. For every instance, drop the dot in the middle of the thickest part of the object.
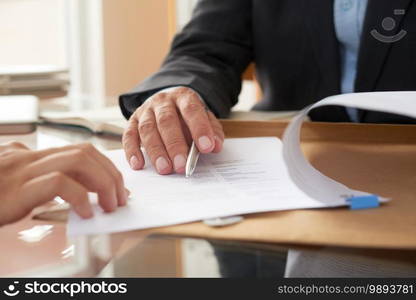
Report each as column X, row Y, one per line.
column 30, row 178
column 165, row 125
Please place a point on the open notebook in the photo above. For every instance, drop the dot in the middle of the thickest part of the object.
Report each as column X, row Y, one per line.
column 107, row 120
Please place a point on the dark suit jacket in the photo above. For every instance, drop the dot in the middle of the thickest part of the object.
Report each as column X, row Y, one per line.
column 294, row 47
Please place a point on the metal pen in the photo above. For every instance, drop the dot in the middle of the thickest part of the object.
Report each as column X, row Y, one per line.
column 189, row 170
column 191, row 161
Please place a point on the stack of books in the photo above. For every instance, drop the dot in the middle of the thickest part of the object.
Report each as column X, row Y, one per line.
column 42, row 81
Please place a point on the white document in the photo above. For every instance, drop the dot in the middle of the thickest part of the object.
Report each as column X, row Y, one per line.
column 309, row 179
column 250, row 175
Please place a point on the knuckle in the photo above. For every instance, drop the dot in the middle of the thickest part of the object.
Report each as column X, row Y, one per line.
column 57, row 179
column 129, row 134
column 15, row 145
column 105, row 183
column 160, row 99
column 166, row 118
column 87, row 147
column 116, row 175
column 184, row 90
column 154, row 149
column 189, row 93
column 174, row 143
column 161, row 95
column 78, row 155
column 107, row 186
column 15, row 157
column 192, row 108
column 128, row 146
column 146, row 127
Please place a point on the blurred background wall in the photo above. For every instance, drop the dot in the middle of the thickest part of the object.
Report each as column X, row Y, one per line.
column 106, row 47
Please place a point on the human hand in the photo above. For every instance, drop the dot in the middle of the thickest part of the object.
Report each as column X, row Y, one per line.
column 30, row 178
column 165, row 125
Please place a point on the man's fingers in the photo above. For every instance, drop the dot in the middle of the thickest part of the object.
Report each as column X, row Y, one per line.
column 77, row 164
column 218, row 132
column 196, row 118
column 187, row 134
column 165, row 124
column 48, row 186
column 131, row 145
column 170, row 130
column 152, row 142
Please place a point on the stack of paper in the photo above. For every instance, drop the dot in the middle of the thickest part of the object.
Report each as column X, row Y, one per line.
column 248, row 176
column 37, row 80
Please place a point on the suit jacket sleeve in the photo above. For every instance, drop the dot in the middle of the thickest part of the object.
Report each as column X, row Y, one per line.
column 209, row 56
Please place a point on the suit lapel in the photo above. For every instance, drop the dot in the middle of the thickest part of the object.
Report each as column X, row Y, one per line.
column 373, row 52
column 319, row 21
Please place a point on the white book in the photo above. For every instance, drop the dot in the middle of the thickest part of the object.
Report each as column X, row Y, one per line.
column 16, row 80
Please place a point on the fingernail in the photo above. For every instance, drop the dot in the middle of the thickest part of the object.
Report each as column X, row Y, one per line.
column 161, row 164
column 205, row 143
column 134, row 163
column 113, row 205
column 179, row 162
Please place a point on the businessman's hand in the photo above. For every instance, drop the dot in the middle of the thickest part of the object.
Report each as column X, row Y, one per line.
column 30, row 178
column 165, row 125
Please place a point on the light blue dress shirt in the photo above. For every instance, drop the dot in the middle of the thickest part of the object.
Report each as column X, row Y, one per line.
column 349, row 18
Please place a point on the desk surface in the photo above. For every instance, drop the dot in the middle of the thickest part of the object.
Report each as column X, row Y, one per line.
column 42, row 249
